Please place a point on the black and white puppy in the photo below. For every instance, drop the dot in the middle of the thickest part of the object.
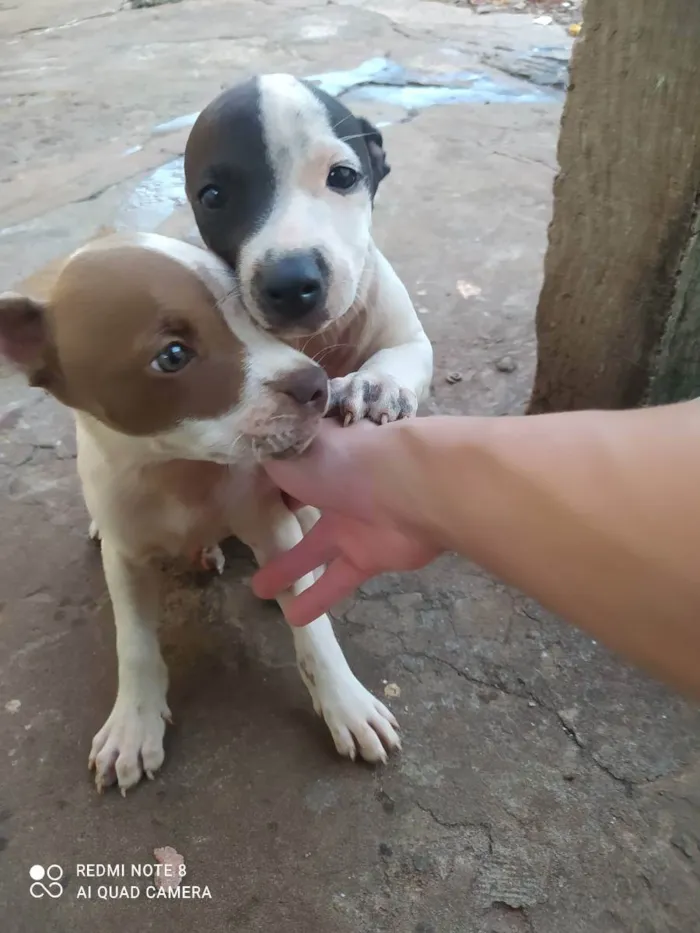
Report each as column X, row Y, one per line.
column 281, row 178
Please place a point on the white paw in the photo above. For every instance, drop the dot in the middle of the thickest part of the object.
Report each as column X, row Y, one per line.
column 212, row 559
column 94, row 532
column 130, row 743
column 376, row 397
column 358, row 721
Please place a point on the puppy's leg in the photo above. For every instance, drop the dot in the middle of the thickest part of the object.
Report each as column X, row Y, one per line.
column 357, row 721
column 131, row 741
column 307, row 516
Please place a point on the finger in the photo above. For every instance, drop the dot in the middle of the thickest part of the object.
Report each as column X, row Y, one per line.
column 291, row 476
column 316, row 548
column 341, row 579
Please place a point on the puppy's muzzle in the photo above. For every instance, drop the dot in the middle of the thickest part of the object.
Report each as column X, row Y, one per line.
column 307, row 388
column 292, row 289
column 300, row 401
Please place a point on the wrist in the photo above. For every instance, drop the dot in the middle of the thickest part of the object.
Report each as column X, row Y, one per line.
column 425, row 465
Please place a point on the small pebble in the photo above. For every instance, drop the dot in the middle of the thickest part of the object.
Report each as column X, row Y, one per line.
column 506, row 364
column 392, row 690
column 385, row 849
column 421, row 863
column 452, row 378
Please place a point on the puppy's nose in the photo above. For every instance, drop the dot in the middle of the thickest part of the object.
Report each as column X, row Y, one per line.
column 292, row 285
column 308, row 387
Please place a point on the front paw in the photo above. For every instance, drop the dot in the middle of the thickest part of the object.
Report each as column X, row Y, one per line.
column 376, row 397
column 357, row 720
column 130, row 743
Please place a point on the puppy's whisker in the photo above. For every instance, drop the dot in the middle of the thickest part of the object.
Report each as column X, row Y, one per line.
column 324, row 351
column 340, row 122
column 234, row 293
column 346, row 139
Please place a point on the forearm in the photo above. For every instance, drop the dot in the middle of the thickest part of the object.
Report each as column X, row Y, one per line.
column 595, row 514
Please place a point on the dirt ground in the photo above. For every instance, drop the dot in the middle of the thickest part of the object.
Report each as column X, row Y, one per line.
column 544, row 787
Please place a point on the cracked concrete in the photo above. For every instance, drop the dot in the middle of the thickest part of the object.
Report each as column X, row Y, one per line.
column 544, row 787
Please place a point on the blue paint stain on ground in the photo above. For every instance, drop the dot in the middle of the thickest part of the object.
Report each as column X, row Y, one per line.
column 377, row 79
column 380, row 79
column 155, row 198
column 383, row 80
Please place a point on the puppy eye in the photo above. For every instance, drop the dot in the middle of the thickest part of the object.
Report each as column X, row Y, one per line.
column 342, row 178
column 212, row 198
column 172, row 358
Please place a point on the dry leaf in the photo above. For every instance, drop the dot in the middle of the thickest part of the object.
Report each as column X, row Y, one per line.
column 575, row 29
column 171, row 874
column 392, row 690
column 467, row 289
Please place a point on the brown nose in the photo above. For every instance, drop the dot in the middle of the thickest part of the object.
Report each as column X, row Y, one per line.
column 308, row 387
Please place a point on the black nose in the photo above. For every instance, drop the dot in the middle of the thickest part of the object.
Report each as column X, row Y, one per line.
column 307, row 386
column 293, row 285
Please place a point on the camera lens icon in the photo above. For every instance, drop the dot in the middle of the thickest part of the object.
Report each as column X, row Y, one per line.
column 52, row 874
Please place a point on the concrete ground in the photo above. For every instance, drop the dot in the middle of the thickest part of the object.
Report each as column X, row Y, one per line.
column 543, row 785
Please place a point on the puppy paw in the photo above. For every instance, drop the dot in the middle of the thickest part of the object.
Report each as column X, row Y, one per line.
column 130, row 744
column 357, row 721
column 376, row 397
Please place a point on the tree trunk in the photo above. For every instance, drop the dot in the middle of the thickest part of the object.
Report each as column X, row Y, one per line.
column 625, row 203
column 677, row 371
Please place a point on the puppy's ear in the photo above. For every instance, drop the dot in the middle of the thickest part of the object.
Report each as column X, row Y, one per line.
column 24, row 338
column 375, row 146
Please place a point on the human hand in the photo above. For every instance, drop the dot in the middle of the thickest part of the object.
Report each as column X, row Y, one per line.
column 359, row 535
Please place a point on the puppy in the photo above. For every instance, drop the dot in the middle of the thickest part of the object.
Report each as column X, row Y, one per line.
column 281, row 178
column 177, row 396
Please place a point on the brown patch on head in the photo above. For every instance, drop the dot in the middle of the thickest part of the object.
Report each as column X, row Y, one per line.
column 111, row 312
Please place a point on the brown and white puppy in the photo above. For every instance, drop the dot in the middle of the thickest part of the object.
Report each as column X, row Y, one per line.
column 177, row 395
column 282, row 178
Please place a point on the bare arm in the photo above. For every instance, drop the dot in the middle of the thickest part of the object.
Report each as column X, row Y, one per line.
column 595, row 514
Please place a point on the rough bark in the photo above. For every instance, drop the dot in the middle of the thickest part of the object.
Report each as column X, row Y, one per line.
column 677, row 372
column 629, row 156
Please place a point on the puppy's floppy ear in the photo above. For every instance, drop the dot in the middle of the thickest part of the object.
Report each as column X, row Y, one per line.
column 377, row 156
column 25, row 339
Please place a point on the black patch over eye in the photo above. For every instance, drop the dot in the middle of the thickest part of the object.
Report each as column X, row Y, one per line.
column 172, row 358
column 342, row 178
column 212, row 198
